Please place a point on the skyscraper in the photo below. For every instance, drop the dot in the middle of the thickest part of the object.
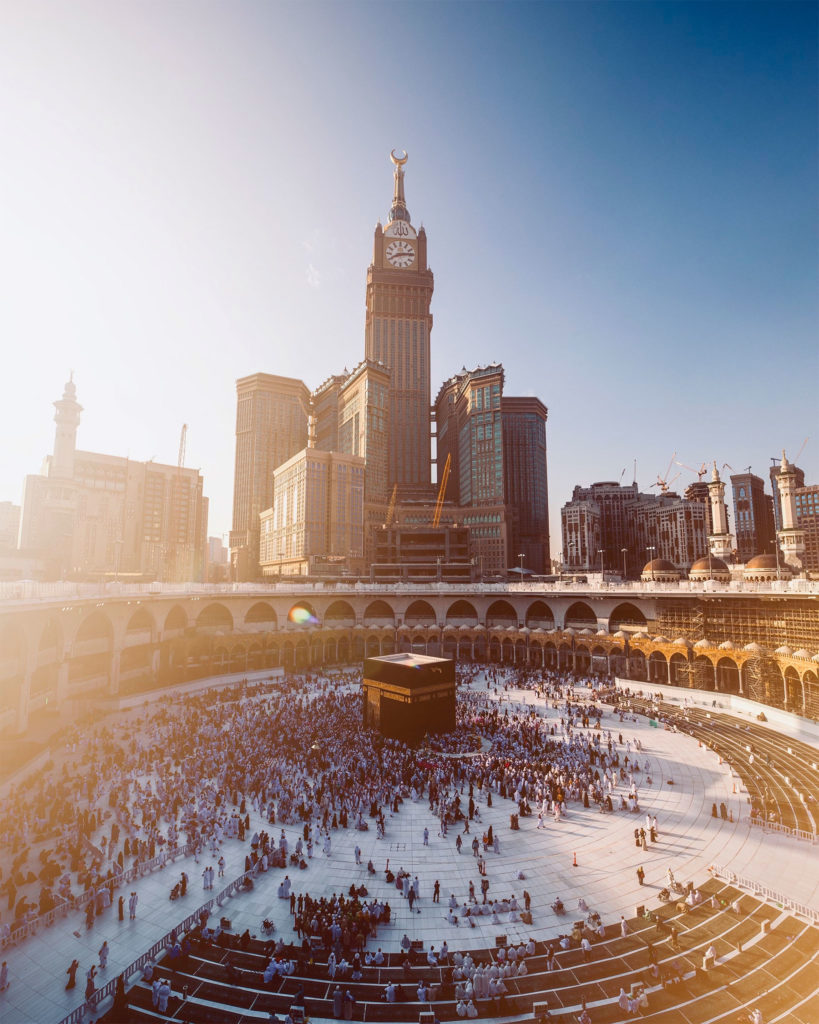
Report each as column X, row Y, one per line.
column 271, row 426
column 753, row 516
column 397, row 333
column 525, row 479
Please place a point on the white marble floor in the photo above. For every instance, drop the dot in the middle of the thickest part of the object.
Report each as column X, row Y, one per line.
column 690, row 840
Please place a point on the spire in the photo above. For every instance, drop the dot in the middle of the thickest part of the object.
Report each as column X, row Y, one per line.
column 399, row 210
column 715, row 473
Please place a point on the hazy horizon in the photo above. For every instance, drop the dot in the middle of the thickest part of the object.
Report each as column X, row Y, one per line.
column 620, row 202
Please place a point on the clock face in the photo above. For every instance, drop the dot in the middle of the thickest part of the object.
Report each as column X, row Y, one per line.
column 400, row 254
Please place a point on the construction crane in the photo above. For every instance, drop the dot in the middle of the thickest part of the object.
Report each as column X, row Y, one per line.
column 663, row 481
column 700, row 472
column 778, row 458
column 391, row 507
column 439, row 502
column 174, row 560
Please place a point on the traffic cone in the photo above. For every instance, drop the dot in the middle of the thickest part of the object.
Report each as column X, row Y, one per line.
column 574, row 860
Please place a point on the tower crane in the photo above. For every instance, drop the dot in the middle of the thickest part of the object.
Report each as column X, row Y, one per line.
column 391, row 507
column 174, row 560
column 700, row 472
column 663, row 481
column 439, row 502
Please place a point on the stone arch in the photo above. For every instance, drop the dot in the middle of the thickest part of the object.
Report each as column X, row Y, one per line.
column 626, row 615
column 678, row 669
column 579, row 615
column 599, row 661
column 358, row 647
column 176, row 619
column 420, row 613
column 302, row 614
column 501, row 613
column 495, row 649
column 480, row 647
column 810, row 682
column 261, row 612
column 373, row 647
column 215, row 616
column 96, row 626
column 343, row 650
column 255, row 657
column 703, row 671
column 379, row 613
column 507, row 649
column 316, row 651
column 462, row 613
column 539, row 614
column 582, row 659
column 727, row 676
column 302, row 653
column 565, row 657
column 638, row 668
column 793, row 689
column 140, row 620
column 657, row 667
column 339, row 615
column 618, row 661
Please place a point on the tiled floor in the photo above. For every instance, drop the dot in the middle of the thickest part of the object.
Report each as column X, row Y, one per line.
column 607, row 859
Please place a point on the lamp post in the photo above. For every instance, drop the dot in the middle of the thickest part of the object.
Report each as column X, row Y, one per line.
column 600, row 551
column 623, row 552
column 521, row 557
column 651, row 559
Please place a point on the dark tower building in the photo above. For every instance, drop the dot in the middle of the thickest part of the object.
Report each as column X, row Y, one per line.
column 524, row 478
column 397, row 333
column 753, row 516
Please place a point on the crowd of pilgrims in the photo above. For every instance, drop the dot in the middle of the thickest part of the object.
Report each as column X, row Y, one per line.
column 123, row 793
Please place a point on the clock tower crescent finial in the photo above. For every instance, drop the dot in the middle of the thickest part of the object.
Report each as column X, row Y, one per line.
column 399, row 209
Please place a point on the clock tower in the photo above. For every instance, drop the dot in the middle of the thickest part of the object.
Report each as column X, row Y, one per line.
column 398, row 326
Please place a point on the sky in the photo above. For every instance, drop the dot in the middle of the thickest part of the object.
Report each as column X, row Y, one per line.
column 620, row 201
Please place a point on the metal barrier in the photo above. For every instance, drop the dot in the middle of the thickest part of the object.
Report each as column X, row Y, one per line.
column 768, row 894
column 77, row 1015
column 27, row 928
column 775, row 826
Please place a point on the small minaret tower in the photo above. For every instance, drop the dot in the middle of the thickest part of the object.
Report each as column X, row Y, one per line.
column 67, row 418
column 720, row 540
column 791, row 538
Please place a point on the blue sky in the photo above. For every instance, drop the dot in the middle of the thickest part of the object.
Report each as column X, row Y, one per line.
column 620, row 200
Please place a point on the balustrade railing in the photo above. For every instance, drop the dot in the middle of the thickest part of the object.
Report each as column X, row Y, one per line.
column 78, row 1014
column 23, row 930
column 768, row 894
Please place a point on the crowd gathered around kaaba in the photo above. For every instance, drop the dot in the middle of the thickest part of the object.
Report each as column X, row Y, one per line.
column 187, row 771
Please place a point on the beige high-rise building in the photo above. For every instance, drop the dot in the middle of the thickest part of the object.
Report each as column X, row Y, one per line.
column 90, row 515
column 271, row 426
column 363, row 429
column 316, row 521
column 397, row 334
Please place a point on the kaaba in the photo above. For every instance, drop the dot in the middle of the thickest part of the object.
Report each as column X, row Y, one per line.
column 408, row 695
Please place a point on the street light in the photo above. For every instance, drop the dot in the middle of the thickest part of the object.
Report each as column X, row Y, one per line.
column 600, row 552
column 623, row 552
column 651, row 559
column 521, row 557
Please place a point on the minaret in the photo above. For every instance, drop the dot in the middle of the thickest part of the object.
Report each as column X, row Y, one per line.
column 67, row 418
column 720, row 540
column 791, row 538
